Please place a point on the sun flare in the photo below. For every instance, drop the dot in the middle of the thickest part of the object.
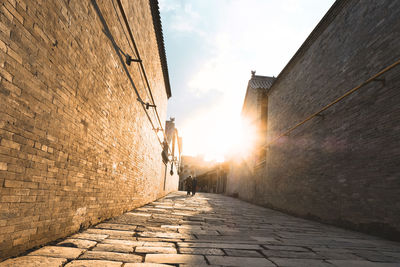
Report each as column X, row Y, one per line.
column 244, row 142
column 218, row 137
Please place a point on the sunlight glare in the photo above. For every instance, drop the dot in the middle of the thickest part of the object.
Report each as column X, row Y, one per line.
column 218, row 135
column 245, row 140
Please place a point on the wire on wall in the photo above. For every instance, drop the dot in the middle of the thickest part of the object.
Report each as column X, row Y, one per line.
column 143, row 71
column 144, row 105
column 371, row 79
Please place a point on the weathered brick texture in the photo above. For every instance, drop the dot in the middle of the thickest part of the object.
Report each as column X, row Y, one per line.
column 343, row 167
column 75, row 144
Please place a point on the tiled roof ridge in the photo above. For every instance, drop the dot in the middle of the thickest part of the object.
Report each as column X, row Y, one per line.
column 262, row 77
column 155, row 12
column 258, row 81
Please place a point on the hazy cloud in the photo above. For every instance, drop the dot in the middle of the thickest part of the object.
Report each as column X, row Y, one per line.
column 213, row 45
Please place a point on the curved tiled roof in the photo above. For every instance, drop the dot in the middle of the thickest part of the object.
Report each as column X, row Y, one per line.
column 264, row 82
column 155, row 12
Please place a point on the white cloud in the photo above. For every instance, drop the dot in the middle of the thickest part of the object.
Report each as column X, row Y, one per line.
column 245, row 35
column 250, row 35
column 168, row 6
column 182, row 16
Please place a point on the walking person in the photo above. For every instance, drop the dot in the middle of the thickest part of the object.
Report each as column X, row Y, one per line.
column 189, row 184
column 194, row 185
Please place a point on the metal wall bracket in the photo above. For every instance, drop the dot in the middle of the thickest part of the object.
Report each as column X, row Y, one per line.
column 148, row 105
column 129, row 59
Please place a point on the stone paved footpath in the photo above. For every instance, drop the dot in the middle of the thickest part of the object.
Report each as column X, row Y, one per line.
column 216, row 230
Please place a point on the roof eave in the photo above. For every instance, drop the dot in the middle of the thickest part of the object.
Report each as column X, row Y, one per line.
column 155, row 12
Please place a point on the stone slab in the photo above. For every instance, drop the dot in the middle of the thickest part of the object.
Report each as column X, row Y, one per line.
column 157, row 250
column 164, row 235
column 114, row 248
column 146, row 265
column 114, row 226
column 155, row 229
column 246, row 242
column 217, row 245
column 109, row 232
column 87, row 236
column 94, row 263
column 111, row 256
column 362, row 263
column 187, row 227
column 58, row 252
column 291, row 254
column 77, row 243
column 152, row 239
column 338, row 256
column 123, row 237
column 198, row 232
column 140, row 214
column 372, row 255
column 239, row 261
column 158, row 244
column 286, row 248
column 124, row 242
column 224, row 238
column 263, row 238
column 300, row 262
column 175, row 258
column 202, row 251
column 34, row 261
column 243, row 253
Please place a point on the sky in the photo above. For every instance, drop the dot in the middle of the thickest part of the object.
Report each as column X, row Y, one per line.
column 212, row 46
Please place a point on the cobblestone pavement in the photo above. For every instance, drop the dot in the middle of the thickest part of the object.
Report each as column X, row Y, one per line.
column 210, row 229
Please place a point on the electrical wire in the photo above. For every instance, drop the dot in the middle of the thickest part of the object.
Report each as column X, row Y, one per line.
column 131, row 47
column 136, row 51
column 372, row 78
column 118, row 50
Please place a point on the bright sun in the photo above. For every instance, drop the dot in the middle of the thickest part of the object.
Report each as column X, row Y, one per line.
column 218, row 137
column 245, row 139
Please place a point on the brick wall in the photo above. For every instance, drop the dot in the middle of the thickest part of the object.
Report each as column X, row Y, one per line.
column 343, row 167
column 75, row 144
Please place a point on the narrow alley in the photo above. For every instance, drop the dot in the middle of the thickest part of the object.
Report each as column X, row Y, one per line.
column 210, row 229
column 109, row 108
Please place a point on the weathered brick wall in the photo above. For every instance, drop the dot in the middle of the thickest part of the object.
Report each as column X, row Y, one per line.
column 75, row 144
column 342, row 168
column 241, row 182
